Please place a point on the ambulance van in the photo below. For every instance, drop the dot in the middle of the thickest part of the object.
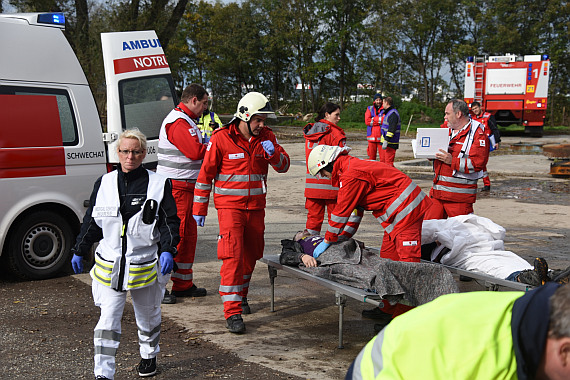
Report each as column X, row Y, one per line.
column 52, row 144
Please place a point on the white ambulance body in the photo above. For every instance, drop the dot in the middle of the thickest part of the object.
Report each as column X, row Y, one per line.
column 52, row 145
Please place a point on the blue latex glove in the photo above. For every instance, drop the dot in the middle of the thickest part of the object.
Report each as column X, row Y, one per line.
column 77, row 264
column 320, row 249
column 166, row 263
column 268, row 147
column 385, row 145
column 200, row 219
column 205, row 138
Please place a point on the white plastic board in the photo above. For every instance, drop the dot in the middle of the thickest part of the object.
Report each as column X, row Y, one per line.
column 429, row 141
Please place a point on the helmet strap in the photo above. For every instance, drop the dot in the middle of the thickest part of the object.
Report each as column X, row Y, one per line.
column 249, row 128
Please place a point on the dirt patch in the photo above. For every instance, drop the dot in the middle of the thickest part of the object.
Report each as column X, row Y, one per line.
column 46, row 330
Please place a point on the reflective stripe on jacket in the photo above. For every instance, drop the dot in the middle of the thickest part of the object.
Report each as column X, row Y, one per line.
column 126, row 257
column 394, row 199
column 239, row 170
column 458, row 182
column 321, row 133
column 172, row 163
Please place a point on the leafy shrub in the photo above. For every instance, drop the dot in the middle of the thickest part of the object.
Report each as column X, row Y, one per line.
column 354, row 113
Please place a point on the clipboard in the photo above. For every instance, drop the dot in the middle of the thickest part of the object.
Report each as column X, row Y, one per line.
column 429, row 141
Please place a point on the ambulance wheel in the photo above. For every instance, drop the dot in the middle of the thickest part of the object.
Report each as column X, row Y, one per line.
column 40, row 246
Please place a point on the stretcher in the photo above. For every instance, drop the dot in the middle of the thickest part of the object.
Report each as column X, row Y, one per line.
column 341, row 291
column 491, row 283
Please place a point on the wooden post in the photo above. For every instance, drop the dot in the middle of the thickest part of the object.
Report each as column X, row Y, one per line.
column 408, row 127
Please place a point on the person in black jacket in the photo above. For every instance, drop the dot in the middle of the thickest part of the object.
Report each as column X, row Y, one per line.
column 132, row 215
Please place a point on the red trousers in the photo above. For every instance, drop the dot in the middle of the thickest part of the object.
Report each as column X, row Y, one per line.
column 316, row 213
column 373, row 148
column 183, row 193
column 387, row 155
column 444, row 209
column 240, row 245
column 486, row 179
column 406, row 246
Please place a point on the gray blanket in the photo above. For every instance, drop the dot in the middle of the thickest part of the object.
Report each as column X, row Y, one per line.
column 352, row 264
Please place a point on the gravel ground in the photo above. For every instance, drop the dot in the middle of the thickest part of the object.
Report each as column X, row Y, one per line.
column 46, row 330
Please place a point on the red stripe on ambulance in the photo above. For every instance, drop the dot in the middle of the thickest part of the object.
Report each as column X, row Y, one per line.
column 149, row 62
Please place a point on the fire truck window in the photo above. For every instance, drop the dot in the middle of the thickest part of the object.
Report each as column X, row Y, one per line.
column 145, row 102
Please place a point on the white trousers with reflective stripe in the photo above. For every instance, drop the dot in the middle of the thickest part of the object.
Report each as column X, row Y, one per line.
column 146, row 303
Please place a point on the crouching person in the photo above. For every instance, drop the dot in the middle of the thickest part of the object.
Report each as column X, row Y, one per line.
column 477, row 335
column 132, row 213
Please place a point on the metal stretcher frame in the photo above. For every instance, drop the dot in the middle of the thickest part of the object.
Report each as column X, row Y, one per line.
column 491, row 283
column 341, row 291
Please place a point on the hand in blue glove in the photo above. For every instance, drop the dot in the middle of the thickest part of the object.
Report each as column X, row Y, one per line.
column 166, row 263
column 77, row 264
column 320, row 249
column 385, row 145
column 199, row 219
column 205, row 138
column 268, row 147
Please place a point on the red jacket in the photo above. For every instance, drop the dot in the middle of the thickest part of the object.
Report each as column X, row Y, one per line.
column 483, row 118
column 394, row 199
column 458, row 182
column 373, row 119
column 321, row 133
column 239, row 170
column 178, row 135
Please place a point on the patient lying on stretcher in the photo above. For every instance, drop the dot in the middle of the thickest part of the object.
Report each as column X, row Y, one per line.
column 475, row 243
column 350, row 263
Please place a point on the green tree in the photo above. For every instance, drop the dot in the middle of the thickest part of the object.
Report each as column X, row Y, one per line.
column 344, row 37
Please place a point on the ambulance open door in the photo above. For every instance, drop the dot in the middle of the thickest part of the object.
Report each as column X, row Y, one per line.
column 140, row 89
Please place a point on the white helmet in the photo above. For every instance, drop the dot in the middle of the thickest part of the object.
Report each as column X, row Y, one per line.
column 322, row 155
column 253, row 103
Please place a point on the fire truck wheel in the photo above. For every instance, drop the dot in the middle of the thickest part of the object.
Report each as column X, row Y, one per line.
column 40, row 246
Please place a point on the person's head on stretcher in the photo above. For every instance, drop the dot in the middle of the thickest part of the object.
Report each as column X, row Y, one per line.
column 308, row 242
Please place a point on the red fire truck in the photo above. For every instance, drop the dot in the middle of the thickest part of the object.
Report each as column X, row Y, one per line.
column 512, row 88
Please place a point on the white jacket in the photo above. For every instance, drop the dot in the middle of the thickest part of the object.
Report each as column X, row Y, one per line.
column 126, row 257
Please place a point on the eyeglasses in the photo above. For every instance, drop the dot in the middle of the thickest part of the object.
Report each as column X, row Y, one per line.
column 126, row 152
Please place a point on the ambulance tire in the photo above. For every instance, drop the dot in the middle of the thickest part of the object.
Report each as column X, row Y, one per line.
column 40, row 246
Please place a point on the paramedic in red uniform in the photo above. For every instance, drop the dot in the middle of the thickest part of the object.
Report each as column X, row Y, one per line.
column 373, row 120
column 394, row 199
column 237, row 160
column 492, row 133
column 456, row 171
column 181, row 149
column 319, row 192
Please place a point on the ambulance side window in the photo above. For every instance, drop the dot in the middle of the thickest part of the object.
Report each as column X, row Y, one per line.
column 66, row 115
column 145, row 102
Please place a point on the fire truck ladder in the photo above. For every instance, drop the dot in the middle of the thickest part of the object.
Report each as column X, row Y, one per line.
column 478, row 72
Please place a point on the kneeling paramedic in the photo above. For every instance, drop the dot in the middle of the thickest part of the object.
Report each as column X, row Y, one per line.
column 237, row 160
column 394, row 199
column 475, row 336
column 132, row 213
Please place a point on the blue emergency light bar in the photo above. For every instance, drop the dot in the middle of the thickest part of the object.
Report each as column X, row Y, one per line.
column 545, row 57
column 51, row 18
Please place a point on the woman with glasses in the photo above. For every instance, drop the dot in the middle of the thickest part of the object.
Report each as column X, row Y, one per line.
column 131, row 214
